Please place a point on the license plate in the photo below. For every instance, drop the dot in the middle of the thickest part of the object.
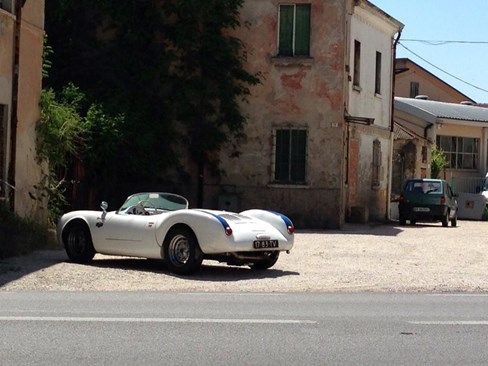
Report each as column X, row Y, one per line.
column 264, row 244
column 421, row 209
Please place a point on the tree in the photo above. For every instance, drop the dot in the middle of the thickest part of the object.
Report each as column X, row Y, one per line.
column 438, row 161
column 169, row 67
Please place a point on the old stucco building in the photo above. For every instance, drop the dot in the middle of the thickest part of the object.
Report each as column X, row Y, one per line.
column 319, row 126
column 21, row 46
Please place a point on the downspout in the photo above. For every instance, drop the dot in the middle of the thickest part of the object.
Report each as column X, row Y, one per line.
column 14, row 107
column 395, row 43
column 392, row 125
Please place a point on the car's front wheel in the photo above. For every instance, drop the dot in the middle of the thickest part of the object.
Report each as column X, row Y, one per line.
column 78, row 243
column 182, row 252
column 267, row 262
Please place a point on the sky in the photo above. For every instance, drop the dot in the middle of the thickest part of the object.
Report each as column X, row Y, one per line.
column 458, row 63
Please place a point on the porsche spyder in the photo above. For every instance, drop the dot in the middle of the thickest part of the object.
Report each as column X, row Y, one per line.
column 162, row 226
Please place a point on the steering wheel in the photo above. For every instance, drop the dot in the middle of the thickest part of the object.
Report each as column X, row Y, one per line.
column 142, row 205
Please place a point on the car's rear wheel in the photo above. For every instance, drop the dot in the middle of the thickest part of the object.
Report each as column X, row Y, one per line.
column 267, row 262
column 402, row 220
column 182, row 252
column 78, row 243
column 445, row 219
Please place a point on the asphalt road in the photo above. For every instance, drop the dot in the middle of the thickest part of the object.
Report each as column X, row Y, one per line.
column 158, row 328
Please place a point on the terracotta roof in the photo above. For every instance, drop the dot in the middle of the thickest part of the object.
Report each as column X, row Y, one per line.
column 430, row 110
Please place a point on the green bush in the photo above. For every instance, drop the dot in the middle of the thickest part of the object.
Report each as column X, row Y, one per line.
column 20, row 236
column 439, row 161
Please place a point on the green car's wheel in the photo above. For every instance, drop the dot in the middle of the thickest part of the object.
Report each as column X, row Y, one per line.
column 402, row 221
column 445, row 219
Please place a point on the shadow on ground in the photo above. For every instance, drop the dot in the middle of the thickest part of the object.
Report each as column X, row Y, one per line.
column 13, row 268
column 211, row 271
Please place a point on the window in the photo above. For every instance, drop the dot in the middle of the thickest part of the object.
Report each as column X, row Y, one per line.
column 7, row 5
column 3, row 132
column 357, row 63
column 375, row 181
column 377, row 84
column 414, row 89
column 290, row 155
column 294, row 32
column 461, row 152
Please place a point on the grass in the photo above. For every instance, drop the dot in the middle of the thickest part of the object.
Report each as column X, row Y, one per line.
column 19, row 236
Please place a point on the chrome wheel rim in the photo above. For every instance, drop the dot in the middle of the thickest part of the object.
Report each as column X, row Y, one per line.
column 179, row 250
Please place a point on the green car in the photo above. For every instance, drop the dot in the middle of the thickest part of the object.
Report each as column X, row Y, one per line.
column 427, row 200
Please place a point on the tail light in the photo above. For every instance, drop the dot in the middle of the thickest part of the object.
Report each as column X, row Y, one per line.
column 291, row 229
column 443, row 200
column 228, row 231
column 402, row 198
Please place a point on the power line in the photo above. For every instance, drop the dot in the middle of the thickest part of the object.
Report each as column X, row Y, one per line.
column 441, row 43
column 445, row 72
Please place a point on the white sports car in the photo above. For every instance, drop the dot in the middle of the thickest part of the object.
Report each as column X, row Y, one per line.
column 161, row 226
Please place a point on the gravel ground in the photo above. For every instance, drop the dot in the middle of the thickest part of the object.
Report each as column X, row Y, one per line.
column 384, row 258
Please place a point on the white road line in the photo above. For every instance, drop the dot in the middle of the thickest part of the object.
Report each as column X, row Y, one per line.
column 153, row 320
column 450, row 322
column 459, row 295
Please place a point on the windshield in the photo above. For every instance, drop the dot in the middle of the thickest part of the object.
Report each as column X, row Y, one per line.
column 423, row 186
column 159, row 201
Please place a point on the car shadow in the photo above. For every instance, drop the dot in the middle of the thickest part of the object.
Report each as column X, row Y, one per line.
column 375, row 229
column 210, row 271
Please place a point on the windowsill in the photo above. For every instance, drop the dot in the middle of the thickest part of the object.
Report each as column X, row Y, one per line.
column 292, row 61
column 7, row 12
column 357, row 88
column 291, row 186
column 379, row 96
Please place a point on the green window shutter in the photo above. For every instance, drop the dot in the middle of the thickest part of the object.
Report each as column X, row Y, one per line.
column 286, row 30
column 298, row 155
column 282, row 163
column 302, row 30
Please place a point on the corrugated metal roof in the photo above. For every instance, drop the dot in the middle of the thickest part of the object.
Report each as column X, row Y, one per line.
column 401, row 132
column 430, row 110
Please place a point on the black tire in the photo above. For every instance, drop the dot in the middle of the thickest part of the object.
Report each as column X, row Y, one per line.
column 268, row 262
column 445, row 219
column 182, row 253
column 413, row 222
column 78, row 243
column 454, row 220
column 402, row 221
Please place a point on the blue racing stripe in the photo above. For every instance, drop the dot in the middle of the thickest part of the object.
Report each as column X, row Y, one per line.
column 284, row 218
column 223, row 221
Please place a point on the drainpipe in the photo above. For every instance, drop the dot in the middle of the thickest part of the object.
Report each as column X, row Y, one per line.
column 18, row 4
column 392, row 124
column 394, row 79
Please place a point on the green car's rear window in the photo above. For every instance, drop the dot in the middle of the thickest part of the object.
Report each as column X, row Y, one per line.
column 423, row 187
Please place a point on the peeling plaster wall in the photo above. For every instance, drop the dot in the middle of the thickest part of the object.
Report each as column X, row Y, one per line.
column 7, row 22
column 28, row 171
column 309, row 94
